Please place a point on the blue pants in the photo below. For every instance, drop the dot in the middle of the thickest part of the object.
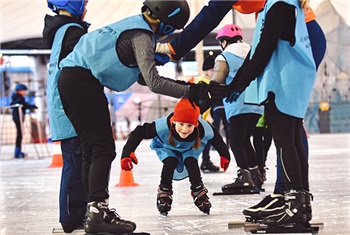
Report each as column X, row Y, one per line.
column 72, row 193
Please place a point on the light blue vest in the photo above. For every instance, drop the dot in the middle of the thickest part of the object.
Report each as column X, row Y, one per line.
column 181, row 150
column 60, row 126
column 96, row 51
column 291, row 71
column 237, row 107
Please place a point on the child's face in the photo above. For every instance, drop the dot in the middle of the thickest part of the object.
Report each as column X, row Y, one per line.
column 22, row 92
column 184, row 129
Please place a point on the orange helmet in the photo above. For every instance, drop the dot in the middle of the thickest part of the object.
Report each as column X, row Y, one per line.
column 249, row 6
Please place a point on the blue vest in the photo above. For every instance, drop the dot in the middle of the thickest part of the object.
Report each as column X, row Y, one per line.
column 181, row 150
column 231, row 109
column 291, row 71
column 96, row 51
column 60, row 126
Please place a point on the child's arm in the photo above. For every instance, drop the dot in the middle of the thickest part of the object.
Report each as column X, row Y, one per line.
column 147, row 131
column 218, row 143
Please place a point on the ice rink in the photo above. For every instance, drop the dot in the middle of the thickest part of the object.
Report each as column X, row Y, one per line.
column 29, row 192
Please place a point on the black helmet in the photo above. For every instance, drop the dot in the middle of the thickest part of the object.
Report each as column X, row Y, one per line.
column 172, row 13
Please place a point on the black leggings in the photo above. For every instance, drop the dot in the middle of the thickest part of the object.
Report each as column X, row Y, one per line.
column 241, row 129
column 170, row 164
column 86, row 106
column 287, row 135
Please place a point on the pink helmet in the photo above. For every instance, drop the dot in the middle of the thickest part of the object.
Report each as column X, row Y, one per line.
column 229, row 31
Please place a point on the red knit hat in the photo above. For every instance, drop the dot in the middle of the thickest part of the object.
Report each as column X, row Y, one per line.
column 186, row 112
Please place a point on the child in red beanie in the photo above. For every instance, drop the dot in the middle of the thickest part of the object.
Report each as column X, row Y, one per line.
column 178, row 140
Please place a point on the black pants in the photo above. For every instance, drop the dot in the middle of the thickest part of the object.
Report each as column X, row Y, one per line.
column 19, row 135
column 241, row 129
column 287, row 135
column 86, row 106
column 169, row 165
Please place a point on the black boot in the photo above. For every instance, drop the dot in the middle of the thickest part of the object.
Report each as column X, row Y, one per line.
column 208, row 166
column 293, row 212
column 242, row 184
column 164, row 199
column 270, row 203
column 201, row 199
column 257, row 178
column 308, row 211
column 100, row 219
column 262, row 170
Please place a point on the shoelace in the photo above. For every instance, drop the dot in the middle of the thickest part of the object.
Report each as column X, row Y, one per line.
column 113, row 216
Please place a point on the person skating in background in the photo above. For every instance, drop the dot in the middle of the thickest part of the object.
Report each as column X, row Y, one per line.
column 178, row 140
column 117, row 56
column 241, row 117
column 61, row 33
column 20, row 106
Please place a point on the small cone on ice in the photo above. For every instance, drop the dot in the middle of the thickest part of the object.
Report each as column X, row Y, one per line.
column 57, row 159
column 126, row 179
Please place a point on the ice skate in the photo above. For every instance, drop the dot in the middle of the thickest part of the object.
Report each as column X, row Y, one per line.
column 292, row 213
column 262, row 170
column 164, row 199
column 208, row 166
column 257, row 179
column 243, row 183
column 308, row 211
column 201, row 199
column 270, row 203
column 101, row 220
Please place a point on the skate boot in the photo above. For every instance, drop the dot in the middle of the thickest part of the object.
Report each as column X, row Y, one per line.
column 262, row 170
column 101, row 220
column 293, row 212
column 257, row 179
column 208, row 166
column 19, row 153
column 164, row 199
column 308, row 211
column 270, row 203
column 242, row 184
column 201, row 199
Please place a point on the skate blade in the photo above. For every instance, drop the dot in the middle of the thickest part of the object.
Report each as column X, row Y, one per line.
column 164, row 213
column 238, row 192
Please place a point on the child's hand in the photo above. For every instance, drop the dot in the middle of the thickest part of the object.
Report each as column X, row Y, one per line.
column 126, row 162
column 224, row 163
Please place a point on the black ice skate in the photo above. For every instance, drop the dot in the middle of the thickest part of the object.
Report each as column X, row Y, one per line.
column 292, row 213
column 101, row 220
column 201, row 199
column 164, row 199
column 308, row 211
column 270, row 203
column 257, row 179
column 208, row 166
column 243, row 184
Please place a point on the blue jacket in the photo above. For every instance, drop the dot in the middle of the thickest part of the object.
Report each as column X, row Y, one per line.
column 102, row 59
column 60, row 125
column 291, row 71
column 181, row 150
column 238, row 107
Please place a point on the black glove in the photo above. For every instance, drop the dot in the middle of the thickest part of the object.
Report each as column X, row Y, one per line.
column 203, row 91
column 161, row 59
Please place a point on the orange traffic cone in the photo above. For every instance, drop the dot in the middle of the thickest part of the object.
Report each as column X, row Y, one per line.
column 57, row 160
column 126, row 179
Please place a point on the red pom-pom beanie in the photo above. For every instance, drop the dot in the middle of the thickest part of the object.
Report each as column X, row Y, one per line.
column 186, row 112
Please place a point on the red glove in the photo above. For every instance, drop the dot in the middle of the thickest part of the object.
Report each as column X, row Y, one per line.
column 126, row 162
column 224, row 163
